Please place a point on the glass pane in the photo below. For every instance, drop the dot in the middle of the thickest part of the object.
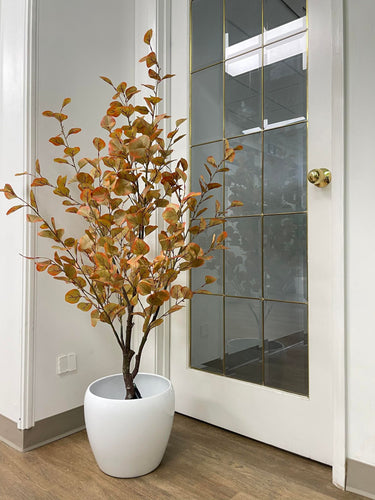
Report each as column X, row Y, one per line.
column 243, row 182
column 243, row 26
column 285, row 169
column 207, row 333
column 243, row 257
column 285, row 346
column 243, row 339
column 199, row 156
column 207, row 105
column 207, row 33
column 285, row 264
column 243, row 94
column 213, row 267
column 283, row 18
column 285, row 87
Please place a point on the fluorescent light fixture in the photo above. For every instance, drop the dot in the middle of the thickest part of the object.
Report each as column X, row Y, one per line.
column 251, row 130
column 289, row 47
column 242, row 60
column 244, row 64
column 285, row 30
column 268, row 126
column 276, row 52
column 240, row 48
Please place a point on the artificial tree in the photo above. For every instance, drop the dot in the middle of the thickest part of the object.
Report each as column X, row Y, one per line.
column 114, row 272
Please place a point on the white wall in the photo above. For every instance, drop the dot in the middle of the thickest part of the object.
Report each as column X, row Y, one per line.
column 360, row 227
column 77, row 41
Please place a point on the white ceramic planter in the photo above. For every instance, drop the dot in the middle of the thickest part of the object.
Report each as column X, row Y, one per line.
column 129, row 437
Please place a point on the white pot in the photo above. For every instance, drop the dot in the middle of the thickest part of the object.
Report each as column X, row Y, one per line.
column 129, row 436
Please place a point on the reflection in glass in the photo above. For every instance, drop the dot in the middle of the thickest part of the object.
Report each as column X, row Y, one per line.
column 283, row 18
column 285, row 169
column 243, row 257
column 243, row 339
column 256, row 96
column 243, row 94
column 243, row 26
column 244, row 180
column 285, row 346
column 285, row 82
column 207, row 32
column 207, row 105
column 213, row 267
column 285, row 262
column 207, row 333
column 199, row 156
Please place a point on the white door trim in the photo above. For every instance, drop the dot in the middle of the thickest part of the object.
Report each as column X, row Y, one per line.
column 155, row 14
column 338, row 242
column 27, row 417
column 17, row 70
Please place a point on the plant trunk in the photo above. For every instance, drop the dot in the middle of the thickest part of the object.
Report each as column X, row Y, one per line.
column 132, row 391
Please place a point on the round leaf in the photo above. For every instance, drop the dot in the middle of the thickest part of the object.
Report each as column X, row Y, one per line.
column 72, row 296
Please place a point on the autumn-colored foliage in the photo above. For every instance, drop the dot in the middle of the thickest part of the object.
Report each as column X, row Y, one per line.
column 113, row 268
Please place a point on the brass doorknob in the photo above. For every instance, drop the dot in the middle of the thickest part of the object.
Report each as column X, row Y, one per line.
column 320, row 177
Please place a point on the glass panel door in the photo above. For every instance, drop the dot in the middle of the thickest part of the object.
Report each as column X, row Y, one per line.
column 249, row 85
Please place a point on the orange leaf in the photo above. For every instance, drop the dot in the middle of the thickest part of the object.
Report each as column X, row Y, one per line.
column 72, row 151
column 40, row 181
column 69, row 242
column 60, row 116
column 84, row 306
column 74, row 131
column 158, row 298
column 147, row 37
column 32, row 199
column 144, row 287
column 8, row 192
column 155, row 323
column 70, row 271
column 222, row 236
column 174, row 309
column 151, row 59
column 21, row 173
column 95, row 313
column 152, row 74
column 46, row 233
column 33, row 218
column 54, row 270
column 140, row 247
column 108, row 122
column 42, row 266
column 176, row 292
column 72, row 296
column 57, row 141
column 66, row 101
column 170, row 215
column 213, row 185
column 98, row 143
column 13, row 209
column 107, row 80
column 236, row 203
column 209, row 279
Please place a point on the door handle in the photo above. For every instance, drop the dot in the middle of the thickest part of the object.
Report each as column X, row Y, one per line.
column 320, row 177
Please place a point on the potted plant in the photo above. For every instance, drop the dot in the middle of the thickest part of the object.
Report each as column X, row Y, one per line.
column 113, row 271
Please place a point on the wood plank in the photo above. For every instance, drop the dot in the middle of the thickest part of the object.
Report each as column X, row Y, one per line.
column 202, row 462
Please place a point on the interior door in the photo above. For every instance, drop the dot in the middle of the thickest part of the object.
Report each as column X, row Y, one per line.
column 255, row 357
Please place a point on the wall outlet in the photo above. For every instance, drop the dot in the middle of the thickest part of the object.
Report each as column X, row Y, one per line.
column 66, row 363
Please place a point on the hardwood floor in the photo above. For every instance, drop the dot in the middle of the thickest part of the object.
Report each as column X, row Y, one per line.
column 202, row 462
